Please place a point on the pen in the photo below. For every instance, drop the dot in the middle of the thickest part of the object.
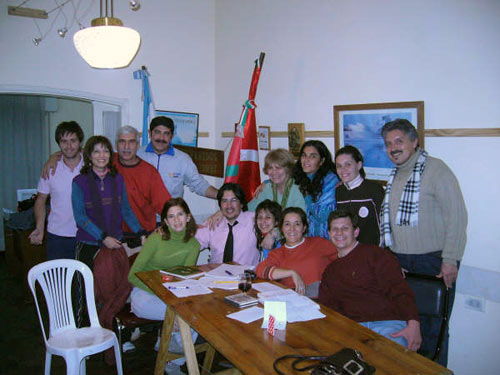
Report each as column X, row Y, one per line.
column 178, row 287
column 229, row 273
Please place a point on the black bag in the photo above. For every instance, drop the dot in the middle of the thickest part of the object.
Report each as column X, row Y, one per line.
column 345, row 362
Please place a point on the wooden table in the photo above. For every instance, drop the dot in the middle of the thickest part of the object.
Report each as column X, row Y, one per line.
column 252, row 350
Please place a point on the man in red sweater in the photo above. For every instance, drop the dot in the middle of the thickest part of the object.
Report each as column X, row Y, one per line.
column 365, row 284
column 146, row 192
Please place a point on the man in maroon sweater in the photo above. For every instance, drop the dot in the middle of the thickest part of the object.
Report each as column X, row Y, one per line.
column 366, row 285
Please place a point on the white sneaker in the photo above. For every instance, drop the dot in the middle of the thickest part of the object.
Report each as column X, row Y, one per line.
column 128, row 347
column 172, row 369
column 135, row 335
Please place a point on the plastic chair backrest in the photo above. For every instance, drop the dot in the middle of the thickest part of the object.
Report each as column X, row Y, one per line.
column 55, row 278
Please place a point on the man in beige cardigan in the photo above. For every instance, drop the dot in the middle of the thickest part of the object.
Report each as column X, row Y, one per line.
column 423, row 216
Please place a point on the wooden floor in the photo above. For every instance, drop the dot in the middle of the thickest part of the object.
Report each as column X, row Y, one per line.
column 22, row 350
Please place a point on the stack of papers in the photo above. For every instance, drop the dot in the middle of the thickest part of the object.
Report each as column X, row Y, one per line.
column 298, row 308
column 229, row 271
column 187, row 288
column 218, row 282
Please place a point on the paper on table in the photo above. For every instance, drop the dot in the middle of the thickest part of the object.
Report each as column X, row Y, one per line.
column 298, row 308
column 217, row 282
column 248, row 315
column 265, row 287
column 186, row 288
column 229, row 271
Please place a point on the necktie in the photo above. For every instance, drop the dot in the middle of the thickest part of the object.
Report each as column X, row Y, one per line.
column 228, row 248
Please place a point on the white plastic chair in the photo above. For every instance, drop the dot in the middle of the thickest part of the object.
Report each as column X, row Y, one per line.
column 74, row 344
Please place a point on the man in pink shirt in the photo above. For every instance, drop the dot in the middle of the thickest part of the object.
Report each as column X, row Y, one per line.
column 233, row 239
column 61, row 227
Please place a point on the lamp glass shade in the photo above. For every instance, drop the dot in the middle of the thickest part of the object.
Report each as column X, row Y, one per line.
column 107, row 47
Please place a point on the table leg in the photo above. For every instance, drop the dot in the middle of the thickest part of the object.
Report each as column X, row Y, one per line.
column 166, row 333
column 187, row 343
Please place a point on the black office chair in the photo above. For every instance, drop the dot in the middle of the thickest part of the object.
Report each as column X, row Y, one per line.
column 432, row 298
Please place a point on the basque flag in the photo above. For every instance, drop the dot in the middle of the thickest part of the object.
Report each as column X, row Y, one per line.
column 243, row 161
column 147, row 108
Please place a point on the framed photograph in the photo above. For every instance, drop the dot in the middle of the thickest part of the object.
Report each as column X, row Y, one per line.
column 359, row 125
column 264, row 137
column 295, row 137
column 186, row 127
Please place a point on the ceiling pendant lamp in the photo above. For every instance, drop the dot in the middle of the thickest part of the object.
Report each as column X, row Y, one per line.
column 107, row 44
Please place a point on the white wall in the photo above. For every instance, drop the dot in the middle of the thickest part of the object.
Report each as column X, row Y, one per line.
column 177, row 47
column 323, row 53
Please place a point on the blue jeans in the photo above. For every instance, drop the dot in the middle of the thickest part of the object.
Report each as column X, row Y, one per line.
column 386, row 327
column 429, row 264
column 59, row 247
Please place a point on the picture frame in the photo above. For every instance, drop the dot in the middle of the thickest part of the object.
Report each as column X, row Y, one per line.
column 295, row 137
column 264, row 137
column 360, row 124
column 186, row 127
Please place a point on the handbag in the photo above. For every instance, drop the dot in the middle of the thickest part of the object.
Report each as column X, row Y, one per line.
column 344, row 362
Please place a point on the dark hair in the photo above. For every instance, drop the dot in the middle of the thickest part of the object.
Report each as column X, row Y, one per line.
column 190, row 225
column 71, row 127
column 274, row 209
column 238, row 192
column 355, row 154
column 162, row 120
column 400, row 124
column 89, row 148
column 334, row 215
column 294, row 210
column 313, row 187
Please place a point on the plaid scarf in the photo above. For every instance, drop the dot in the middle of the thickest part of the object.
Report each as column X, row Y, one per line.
column 408, row 205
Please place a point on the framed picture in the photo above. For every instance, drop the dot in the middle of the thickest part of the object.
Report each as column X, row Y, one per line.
column 264, row 137
column 295, row 137
column 186, row 127
column 359, row 125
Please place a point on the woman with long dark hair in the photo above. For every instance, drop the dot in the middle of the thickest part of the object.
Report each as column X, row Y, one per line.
column 100, row 202
column 267, row 218
column 315, row 174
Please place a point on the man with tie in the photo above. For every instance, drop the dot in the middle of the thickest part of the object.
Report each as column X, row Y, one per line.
column 233, row 239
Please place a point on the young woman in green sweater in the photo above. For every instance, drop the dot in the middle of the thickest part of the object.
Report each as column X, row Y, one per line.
column 175, row 247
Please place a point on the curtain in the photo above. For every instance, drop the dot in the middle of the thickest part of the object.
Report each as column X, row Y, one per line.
column 23, row 149
column 111, row 122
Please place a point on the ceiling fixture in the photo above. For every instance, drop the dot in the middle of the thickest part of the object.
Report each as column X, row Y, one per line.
column 107, row 44
column 135, row 5
column 62, row 31
column 36, row 41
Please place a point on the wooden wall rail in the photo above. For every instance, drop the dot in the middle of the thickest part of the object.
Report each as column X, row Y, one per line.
column 457, row 132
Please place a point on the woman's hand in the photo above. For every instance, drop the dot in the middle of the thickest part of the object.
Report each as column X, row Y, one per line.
column 50, row 166
column 143, row 239
column 214, row 220
column 111, row 243
column 300, row 287
column 269, row 240
column 259, row 190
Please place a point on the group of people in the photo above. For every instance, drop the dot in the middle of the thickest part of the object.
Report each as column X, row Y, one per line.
column 317, row 225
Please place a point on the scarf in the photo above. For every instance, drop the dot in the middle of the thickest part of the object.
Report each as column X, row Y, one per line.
column 286, row 192
column 408, row 205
